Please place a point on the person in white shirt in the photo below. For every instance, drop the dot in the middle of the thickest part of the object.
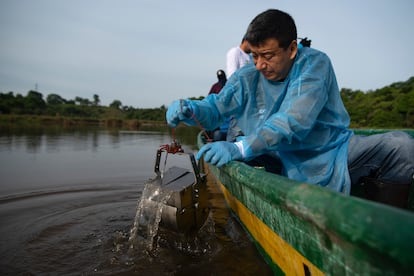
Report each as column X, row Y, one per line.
column 237, row 57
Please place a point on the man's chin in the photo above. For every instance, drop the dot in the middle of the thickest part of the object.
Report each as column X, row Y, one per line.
column 269, row 76
column 272, row 76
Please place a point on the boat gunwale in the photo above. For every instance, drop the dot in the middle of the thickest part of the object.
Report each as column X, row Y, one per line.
column 352, row 222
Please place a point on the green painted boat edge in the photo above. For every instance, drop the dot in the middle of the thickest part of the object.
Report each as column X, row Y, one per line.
column 338, row 234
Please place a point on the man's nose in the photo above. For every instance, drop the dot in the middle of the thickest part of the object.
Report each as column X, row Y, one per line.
column 260, row 63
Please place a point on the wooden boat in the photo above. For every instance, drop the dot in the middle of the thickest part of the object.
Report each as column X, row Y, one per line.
column 303, row 229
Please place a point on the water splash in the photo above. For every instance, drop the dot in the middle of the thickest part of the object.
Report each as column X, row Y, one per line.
column 148, row 215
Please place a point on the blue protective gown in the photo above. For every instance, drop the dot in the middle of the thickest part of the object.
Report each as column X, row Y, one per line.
column 301, row 120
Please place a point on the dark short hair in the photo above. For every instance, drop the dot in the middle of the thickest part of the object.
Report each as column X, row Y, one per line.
column 272, row 24
column 221, row 74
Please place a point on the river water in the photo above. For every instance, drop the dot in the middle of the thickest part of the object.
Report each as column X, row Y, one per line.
column 68, row 198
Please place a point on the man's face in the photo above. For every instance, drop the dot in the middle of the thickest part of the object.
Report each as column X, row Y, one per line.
column 272, row 61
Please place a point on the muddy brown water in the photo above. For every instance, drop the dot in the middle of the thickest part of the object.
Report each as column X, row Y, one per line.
column 68, row 200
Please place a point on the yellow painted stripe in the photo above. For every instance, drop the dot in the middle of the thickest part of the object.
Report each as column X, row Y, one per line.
column 282, row 254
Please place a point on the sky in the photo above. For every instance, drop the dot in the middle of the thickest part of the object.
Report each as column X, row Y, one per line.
column 147, row 53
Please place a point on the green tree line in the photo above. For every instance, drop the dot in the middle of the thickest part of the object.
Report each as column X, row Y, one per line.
column 388, row 107
column 55, row 105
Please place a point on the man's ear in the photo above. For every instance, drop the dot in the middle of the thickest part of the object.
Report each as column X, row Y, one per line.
column 293, row 47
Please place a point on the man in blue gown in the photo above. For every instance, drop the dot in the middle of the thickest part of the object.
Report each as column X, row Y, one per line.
column 288, row 105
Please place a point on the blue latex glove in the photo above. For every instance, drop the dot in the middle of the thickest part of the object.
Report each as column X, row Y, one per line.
column 219, row 153
column 179, row 110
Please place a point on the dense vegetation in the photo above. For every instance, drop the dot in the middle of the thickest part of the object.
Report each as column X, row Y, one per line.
column 389, row 107
column 54, row 105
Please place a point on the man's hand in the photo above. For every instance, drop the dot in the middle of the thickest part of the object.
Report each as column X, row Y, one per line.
column 219, row 153
column 179, row 110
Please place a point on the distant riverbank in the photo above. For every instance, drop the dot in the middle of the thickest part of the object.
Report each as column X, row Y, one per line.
column 41, row 120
